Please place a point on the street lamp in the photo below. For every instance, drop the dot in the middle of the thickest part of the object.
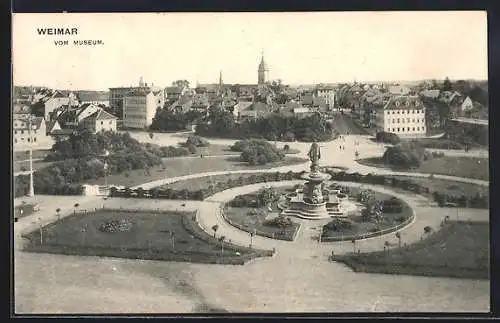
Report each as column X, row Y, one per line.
column 105, row 166
column 30, row 140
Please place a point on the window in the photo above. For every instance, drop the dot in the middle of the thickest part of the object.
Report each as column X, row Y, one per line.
column 15, row 140
column 398, row 120
column 110, row 122
column 28, row 139
column 408, row 129
column 403, row 120
column 418, row 128
column 393, row 120
column 34, row 139
column 398, row 129
column 22, row 132
column 102, row 122
column 403, row 129
column 408, row 120
column 15, row 132
column 413, row 129
column 413, row 120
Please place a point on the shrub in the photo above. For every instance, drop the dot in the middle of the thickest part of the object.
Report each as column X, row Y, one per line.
column 258, row 152
column 404, row 155
column 387, row 137
column 197, row 141
column 191, row 148
column 282, row 221
column 338, row 225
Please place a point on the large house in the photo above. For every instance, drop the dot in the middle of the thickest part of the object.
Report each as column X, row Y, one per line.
column 93, row 97
column 35, row 136
column 402, row 115
column 87, row 116
column 328, row 93
column 139, row 108
column 117, row 95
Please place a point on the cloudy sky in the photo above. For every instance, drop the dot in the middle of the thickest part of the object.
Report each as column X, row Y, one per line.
column 299, row 48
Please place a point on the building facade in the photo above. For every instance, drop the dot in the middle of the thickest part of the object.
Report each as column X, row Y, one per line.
column 402, row 115
column 139, row 108
column 117, row 95
column 328, row 93
column 36, row 137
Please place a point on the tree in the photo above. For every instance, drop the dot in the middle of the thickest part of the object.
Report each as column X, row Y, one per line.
column 215, row 228
column 181, row 83
column 398, row 235
column 221, row 240
column 172, row 238
column 252, row 233
column 447, row 86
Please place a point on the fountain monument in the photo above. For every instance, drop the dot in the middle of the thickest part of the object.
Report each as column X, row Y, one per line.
column 314, row 201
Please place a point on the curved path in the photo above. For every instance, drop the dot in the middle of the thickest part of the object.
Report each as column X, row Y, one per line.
column 43, row 284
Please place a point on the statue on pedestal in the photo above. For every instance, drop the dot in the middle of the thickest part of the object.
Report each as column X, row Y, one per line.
column 314, row 155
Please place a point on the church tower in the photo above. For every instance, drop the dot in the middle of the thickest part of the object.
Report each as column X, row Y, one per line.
column 263, row 71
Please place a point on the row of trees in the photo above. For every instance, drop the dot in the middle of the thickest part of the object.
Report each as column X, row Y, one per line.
column 274, row 127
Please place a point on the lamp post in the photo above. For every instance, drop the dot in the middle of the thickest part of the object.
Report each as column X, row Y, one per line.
column 30, row 139
column 105, row 166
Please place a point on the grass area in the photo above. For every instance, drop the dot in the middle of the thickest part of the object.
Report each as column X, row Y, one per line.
column 359, row 227
column 149, row 236
column 260, row 219
column 447, row 186
column 249, row 219
column 24, row 210
column 214, row 149
column 184, row 166
column 472, row 167
column 23, row 155
column 457, row 250
column 461, row 166
column 25, row 165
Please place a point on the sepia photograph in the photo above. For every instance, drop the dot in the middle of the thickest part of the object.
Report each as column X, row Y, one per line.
column 250, row 162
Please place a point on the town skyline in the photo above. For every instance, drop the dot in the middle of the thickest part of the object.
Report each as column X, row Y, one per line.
column 358, row 46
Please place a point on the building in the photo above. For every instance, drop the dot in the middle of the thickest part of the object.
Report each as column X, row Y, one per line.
column 99, row 121
column 93, row 97
column 402, row 115
column 467, row 105
column 139, row 108
column 398, row 90
column 262, row 72
column 52, row 102
column 327, row 93
column 36, row 137
column 117, row 94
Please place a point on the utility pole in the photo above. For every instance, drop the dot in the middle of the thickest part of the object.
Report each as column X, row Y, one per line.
column 30, row 140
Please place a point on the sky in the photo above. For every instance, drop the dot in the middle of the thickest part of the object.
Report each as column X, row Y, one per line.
column 299, row 48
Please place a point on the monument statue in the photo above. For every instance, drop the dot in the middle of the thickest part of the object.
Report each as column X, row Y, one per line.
column 314, row 155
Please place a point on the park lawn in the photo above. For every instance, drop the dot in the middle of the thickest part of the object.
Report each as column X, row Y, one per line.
column 239, row 217
column 360, row 227
column 461, row 166
column 149, row 237
column 447, row 186
column 457, row 250
column 24, row 155
column 471, row 167
column 25, row 165
column 215, row 150
column 27, row 209
column 184, row 166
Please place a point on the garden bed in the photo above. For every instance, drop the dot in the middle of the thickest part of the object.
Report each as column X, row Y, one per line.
column 240, row 218
column 457, row 250
column 171, row 236
column 360, row 229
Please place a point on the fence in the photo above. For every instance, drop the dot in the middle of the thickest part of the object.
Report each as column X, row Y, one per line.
column 371, row 234
column 259, row 232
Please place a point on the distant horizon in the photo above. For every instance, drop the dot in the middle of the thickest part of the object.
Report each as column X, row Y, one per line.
column 293, row 85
